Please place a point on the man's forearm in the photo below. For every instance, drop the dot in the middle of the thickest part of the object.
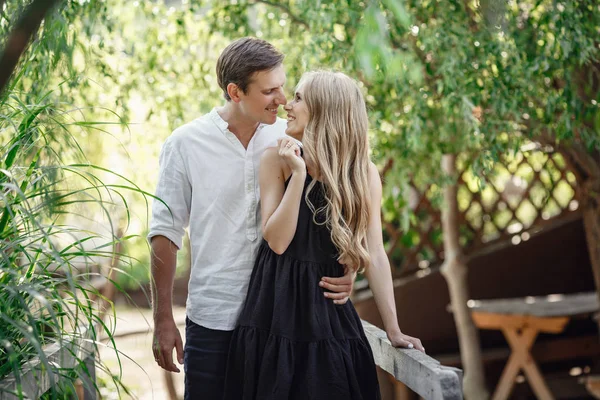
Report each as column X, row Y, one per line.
column 163, row 265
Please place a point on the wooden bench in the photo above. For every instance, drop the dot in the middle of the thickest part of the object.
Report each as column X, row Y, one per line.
column 521, row 320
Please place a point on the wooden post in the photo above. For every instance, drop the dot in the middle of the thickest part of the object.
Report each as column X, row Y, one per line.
column 455, row 271
column 402, row 392
column 88, row 378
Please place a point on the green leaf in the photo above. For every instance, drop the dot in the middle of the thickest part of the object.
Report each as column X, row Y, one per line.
column 398, row 8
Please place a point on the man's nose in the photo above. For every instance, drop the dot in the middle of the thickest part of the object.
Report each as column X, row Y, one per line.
column 282, row 99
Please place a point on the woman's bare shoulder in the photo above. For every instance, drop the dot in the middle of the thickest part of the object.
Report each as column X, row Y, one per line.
column 271, row 160
column 270, row 154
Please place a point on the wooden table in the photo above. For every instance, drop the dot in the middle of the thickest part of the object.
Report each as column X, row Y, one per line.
column 521, row 320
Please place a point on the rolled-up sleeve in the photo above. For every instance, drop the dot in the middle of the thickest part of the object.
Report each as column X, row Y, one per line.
column 171, row 214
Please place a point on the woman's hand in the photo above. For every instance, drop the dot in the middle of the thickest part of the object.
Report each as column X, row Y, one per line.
column 290, row 152
column 399, row 339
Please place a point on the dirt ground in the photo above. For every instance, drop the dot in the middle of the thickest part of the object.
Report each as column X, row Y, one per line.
column 139, row 372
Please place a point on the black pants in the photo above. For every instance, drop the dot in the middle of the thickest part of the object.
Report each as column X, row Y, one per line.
column 205, row 360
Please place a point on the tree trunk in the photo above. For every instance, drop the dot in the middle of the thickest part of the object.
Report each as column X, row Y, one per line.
column 20, row 36
column 591, row 221
column 587, row 162
column 586, row 166
column 455, row 272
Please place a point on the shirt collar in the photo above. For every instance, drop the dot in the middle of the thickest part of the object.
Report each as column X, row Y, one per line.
column 220, row 122
column 224, row 125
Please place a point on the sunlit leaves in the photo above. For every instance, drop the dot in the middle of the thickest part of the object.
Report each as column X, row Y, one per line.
column 475, row 76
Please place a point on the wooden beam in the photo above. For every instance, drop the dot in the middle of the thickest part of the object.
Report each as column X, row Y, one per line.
column 546, row 351
column 485, row 320
column 35, row 378
column 418, row 371
column 401, row 391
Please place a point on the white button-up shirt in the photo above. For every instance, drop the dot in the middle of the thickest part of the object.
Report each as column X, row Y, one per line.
column 210, row 183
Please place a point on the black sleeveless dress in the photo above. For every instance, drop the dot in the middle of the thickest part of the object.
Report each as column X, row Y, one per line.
column 291, row 342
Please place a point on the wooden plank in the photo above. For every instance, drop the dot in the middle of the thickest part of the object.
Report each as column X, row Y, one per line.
column 556, row 305
column 423, row 374
column 488, row 355
column 487, row 320
column 36, row 379
column 566, row 348
column 546, row 351
column 88, row 378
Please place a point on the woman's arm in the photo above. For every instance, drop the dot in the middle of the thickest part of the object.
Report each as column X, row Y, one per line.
column 379, row 273
column 280, row 206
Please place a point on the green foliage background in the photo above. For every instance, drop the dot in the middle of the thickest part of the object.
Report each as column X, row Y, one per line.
column 477, row 77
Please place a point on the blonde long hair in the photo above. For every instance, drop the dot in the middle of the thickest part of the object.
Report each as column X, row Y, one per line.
column 336, row 147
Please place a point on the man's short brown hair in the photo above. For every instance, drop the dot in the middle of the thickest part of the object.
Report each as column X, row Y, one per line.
column 244, row 57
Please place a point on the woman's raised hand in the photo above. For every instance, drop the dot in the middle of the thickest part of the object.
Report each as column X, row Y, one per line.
column 289, row 150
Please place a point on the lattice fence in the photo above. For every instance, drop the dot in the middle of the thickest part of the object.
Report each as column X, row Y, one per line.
column 524, row 192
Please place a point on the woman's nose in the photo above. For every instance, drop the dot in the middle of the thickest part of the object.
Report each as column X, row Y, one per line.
column 287, row 107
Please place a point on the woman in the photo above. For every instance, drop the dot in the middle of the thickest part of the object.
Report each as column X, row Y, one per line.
column 318, row 215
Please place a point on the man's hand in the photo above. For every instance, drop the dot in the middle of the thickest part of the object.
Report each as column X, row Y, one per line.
column 341, row 287
column 166, row 337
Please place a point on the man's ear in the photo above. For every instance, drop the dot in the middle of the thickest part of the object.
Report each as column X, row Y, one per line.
column 234, row 92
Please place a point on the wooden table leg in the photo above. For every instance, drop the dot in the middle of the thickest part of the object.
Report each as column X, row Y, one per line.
column 507, row 380
column 520, row 332
column 522, row 344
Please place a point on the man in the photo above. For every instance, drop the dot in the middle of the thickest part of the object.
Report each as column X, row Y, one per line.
column 208, row 180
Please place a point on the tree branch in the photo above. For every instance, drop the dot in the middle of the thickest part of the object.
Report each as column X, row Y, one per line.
column 428, row 78
column 285, row 8
column 584, row 163
column 471, row 17
column 20, row 36
column 386, row 168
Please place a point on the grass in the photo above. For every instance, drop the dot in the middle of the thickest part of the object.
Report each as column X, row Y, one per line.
column 49, row 192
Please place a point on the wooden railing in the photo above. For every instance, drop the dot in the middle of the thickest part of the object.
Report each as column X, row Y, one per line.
column 35, row 379
column 421, row 373
column 76, row 353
